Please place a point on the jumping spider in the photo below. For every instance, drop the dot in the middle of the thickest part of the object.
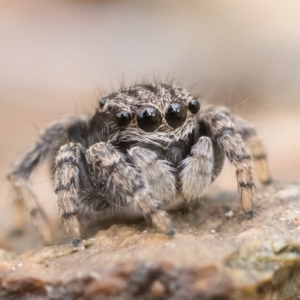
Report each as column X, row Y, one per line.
column 143, row 144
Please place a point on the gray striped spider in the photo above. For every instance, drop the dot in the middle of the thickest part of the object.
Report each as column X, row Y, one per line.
column 144, row 144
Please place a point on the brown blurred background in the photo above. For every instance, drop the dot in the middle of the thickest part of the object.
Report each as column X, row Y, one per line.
column 57, row 57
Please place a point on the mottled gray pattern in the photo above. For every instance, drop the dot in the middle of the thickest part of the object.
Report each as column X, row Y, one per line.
column 143, row 144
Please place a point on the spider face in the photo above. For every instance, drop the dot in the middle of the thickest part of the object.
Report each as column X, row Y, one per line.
column 151, row 111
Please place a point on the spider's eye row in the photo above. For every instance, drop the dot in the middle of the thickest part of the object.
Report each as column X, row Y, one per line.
column 102, row 102
column 176, row 114
column 194, row 106
column 149, row 118
column 123, row 118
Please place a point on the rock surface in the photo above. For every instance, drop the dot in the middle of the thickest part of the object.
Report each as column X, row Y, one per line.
column 216, row 254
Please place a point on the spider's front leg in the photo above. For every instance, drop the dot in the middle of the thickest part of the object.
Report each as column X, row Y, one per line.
column 129, row 180
column 156, row 173
column 67, row 168
column 222, row 130
column 197, row 173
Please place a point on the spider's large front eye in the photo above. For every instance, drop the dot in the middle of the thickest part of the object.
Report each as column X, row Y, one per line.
column 123, row 118
column 149, row 118
column 194, row 105
column 175, row 114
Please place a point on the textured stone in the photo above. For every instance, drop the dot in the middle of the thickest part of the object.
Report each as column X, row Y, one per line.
column 216, row 254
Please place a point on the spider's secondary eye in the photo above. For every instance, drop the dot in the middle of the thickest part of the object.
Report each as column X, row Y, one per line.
column 149, row 118
column 175, row 114
column 123, row 118
column 194, row 106
column 102, row 102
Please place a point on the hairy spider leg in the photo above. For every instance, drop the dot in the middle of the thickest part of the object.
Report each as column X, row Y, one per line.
column 222, row 129
column 156, row 174
column 197, row 173
column 67, row 184
column 258, row 152
column 47, row 144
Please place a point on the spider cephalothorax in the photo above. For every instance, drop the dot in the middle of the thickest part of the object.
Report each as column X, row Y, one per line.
column 143, row 144
column 150, row 111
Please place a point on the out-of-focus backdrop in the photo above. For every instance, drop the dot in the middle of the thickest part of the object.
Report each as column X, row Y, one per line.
column 58, row 57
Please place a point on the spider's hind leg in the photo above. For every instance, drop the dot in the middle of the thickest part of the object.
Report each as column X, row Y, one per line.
column 223, row 131
column 55, row 135
column 25, row 197
column 258, row 153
